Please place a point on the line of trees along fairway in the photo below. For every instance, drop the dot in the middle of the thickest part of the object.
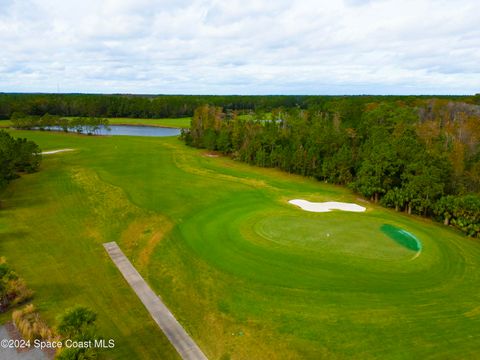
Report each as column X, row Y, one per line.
column 88, row 125
column 171, row 106
column 420, row 157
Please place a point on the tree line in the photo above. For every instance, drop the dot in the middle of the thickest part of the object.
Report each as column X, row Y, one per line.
column 168, row 106
column 421, row 156
column 16, row 156
column 88, row 125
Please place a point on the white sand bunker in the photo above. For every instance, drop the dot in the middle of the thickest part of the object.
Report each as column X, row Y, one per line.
column 326, row 206
column 55, row 151
column 211, row 155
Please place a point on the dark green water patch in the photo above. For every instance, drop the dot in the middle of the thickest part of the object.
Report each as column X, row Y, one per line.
column 402, row 237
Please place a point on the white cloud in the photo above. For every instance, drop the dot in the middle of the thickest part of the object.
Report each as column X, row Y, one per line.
column 248, row 47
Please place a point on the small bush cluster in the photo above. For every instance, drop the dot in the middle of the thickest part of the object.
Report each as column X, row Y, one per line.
column 30, row 325
column 13, row 290
column 78, row 324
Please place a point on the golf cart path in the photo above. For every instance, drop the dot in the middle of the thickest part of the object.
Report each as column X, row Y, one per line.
column 184, row 344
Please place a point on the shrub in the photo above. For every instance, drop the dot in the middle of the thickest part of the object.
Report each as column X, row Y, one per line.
column 30, row 325
column 77, row 353
column 18, row 292
column 13, row 290
column 76, row 321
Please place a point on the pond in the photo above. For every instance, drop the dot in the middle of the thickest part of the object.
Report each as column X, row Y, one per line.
column 129, row 130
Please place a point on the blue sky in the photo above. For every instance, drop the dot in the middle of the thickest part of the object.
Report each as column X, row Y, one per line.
column 240, row 47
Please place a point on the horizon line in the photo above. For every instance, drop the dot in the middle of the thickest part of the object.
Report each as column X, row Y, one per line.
column 257, row 95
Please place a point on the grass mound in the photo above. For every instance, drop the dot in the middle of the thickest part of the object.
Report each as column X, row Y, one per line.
column 402, row 237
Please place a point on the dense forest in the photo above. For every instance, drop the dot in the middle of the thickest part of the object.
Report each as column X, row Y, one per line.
column 420, row 156
column 164, row 106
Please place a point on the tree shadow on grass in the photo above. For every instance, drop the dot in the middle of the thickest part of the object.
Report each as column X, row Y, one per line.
column 59, row 290
column 10, row 236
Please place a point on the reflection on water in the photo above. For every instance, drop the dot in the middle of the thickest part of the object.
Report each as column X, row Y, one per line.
column 129, row 130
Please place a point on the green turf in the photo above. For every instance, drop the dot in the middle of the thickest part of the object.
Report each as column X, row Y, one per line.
column 167, row 122
column 248, row 275
column 5, row 123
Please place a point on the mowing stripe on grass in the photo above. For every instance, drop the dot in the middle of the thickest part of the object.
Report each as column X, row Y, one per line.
column 184, row 344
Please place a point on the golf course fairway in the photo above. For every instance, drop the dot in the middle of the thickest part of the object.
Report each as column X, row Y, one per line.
column 247, row 274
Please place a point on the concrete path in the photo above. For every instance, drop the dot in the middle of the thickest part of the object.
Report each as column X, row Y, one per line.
column 12, row 354
column 184, row 344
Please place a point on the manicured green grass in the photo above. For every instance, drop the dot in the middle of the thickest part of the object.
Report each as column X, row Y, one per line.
column 52, row 227
column 5, row 123
column 167, row 122
column 247, row 274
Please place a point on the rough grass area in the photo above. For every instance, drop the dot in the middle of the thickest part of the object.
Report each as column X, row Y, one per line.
column 247, row 274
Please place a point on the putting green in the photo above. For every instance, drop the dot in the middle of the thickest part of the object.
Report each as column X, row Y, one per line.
column 248, row 275
column 340, row 235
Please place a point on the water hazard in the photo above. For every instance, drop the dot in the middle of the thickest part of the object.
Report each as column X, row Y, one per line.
column 127, row 130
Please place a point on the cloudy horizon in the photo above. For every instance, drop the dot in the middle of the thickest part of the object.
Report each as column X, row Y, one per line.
column 346, row 47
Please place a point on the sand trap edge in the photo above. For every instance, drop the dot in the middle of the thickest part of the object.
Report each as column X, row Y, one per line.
column 326, row 206
column 55, row 151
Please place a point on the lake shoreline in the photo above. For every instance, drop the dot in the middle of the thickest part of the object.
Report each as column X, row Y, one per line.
column 145, row 125
column 118, row 130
